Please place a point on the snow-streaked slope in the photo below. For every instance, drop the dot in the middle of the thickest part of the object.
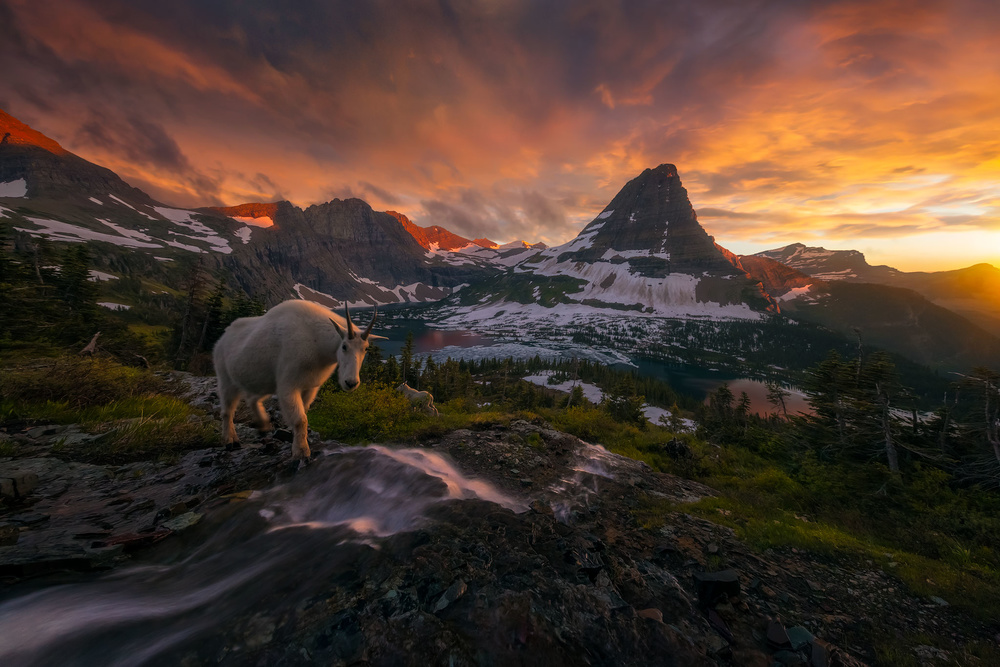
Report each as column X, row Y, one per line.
column 63, row 231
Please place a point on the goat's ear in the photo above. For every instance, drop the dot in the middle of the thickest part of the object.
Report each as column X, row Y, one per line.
column 374, row 337
column 340, row 332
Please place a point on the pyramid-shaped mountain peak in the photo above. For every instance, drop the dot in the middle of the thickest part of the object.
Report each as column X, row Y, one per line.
column 651, row 215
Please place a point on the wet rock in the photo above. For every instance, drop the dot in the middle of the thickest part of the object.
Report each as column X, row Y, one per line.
column 29, row 519
column 789, row 659
column 820, row 653
column 9, row 534
column 777, row 637
column 454, row 592
column 716, row 645
column 182, row 521
column 283, row 435
column 651, row 614
column 130, row 541
column 43, row 431
column 716, row 586
column 17, row 484
column 798, row 637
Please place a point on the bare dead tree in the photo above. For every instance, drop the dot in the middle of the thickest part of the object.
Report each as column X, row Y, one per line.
column 91, row 348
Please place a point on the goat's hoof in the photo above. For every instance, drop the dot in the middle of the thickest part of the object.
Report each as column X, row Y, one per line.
column 233, row 446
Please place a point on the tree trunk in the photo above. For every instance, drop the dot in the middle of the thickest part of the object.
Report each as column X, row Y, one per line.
column 992, row 420
column 890, row 447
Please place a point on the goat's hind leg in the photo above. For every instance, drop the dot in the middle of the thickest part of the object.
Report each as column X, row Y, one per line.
column 261, row 421
column 229, row 398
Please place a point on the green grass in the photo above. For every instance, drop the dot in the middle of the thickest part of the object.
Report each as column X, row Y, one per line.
column 133, row 408
column 837, row 510
column 156, row 436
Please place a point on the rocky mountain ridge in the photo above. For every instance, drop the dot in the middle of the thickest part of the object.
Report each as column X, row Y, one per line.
column 438, row 238
column 340, row 251
column 645, row 255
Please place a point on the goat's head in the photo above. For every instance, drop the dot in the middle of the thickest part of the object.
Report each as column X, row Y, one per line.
column 352, row 350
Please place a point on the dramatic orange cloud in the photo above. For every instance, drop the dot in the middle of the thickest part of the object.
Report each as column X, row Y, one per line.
column 868, row 125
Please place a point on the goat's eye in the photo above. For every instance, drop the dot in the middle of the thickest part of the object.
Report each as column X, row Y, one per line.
column 345, row 347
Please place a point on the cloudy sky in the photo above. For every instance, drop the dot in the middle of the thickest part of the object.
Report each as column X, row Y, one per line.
column 872, row 125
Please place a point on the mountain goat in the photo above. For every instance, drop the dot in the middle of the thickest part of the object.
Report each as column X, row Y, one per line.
column 290, row 351
column 421, row 399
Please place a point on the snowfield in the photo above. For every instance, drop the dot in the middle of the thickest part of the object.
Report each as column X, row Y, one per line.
column 18, row 188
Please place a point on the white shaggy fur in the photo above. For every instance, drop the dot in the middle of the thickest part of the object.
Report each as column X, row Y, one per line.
column 421, row 399
column 289, row 351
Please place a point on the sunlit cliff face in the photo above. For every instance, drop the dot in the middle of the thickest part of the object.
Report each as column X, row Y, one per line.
column 867, row 125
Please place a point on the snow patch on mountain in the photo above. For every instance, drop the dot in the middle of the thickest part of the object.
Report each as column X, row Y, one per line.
column 591, row 392
column 198, row 230
column 99, row 276
column 63, row 231
column 595, row 394
column 794, row 293
column 96, row 200
column 243, row 234
column 111, row 305
column 4, row 212
column 123, row 202
column 377, row 294
column 124, row 231
column 584, row 239
column 183, row 246
column 16, row 188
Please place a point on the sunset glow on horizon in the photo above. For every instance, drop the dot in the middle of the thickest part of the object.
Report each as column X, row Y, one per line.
column 851, row 125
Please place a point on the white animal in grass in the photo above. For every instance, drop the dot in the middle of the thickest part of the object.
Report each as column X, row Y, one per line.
column 421, row 399
column 289, row 351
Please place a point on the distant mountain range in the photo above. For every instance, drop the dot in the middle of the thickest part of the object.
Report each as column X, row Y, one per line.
column 645, row 255
column 973, row 292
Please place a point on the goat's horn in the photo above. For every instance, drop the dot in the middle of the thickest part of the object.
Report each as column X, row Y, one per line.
column 370, row 324
column 350, row 327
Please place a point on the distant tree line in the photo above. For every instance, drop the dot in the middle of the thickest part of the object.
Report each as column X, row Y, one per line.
column 862, row 411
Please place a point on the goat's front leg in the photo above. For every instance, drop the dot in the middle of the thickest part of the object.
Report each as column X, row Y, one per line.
column 308, row 396
column 295, row 416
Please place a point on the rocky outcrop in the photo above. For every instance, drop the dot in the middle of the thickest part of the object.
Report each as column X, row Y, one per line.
column 251, row 210
column 438, row 237
column 776, row 278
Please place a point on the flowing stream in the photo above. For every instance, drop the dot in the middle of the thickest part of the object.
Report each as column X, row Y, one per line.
column 276, row 543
